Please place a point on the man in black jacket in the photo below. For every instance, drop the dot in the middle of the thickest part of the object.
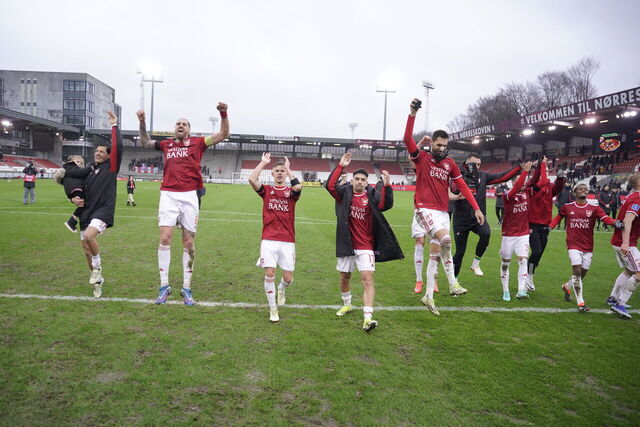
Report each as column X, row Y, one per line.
column 363, row 235
column 464, row 219
column 99, row 202
column 29, row 179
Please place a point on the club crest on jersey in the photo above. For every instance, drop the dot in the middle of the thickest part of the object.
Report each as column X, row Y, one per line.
column 365, row 201
column 187, row 142
column 589, row 213
column 287, row 193
column 447, row 166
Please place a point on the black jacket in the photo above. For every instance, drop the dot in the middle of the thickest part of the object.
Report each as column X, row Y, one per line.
column 463, row 214
column 386, row 247
column 29, row 170
column 73, row 180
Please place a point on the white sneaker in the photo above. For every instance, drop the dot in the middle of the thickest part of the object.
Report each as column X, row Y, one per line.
column 273, row 315
column 97, row 288
column 96, row 276
column 476, row 270
column 430, row 305
column 530, row 286
column 282, row 295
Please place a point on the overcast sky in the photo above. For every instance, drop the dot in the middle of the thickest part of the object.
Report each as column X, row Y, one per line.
column 310, row 67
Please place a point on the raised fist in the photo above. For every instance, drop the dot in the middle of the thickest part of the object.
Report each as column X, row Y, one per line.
column 416, row 104
column 140, row 114
column 222, row 107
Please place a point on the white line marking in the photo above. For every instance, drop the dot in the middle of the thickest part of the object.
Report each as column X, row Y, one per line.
column 307, row 306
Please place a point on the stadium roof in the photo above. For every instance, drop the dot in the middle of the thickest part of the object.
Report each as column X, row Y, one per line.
column 21, row 120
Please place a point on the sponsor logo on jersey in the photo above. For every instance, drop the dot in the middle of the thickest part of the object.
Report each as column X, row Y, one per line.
column 635, row 207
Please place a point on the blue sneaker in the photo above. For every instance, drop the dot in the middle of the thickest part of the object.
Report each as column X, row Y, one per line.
column 611, row 301
column 522, row 295
column 621, row 310
column 506, row 296
column 165, row 291
column 187, row 297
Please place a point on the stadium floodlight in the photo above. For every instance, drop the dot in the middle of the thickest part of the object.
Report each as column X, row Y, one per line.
column 476, row 141
column 428, row 86
column 6, row 123
column 387, row 83
column 552, row 127
column 213, row 121
column 590, row 121
column 627, row 114
column 353, row 127
column 528, row 132
column 149, row 73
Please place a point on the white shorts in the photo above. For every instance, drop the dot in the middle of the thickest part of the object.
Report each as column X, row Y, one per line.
column 631, row 261
column 96, row 223
column 365, row 260
column 514, row 244
column 580, row 258
column 417, row 230
column 179, row 207
column 274, row 254
column 432, row 221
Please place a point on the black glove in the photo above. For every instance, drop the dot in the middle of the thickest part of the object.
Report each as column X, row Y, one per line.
column 416, row 104
column 619, row 224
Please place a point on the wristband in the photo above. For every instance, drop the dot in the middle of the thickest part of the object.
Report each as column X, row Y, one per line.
column 223, row 114
column 295, row 182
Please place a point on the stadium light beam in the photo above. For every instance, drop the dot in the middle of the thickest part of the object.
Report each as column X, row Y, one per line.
column 149, row 73
column 6, row 123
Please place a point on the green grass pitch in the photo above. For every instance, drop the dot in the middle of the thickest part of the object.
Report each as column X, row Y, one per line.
column 125, row 363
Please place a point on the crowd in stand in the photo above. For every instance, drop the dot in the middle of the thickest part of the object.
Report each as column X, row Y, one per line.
column 143, row 164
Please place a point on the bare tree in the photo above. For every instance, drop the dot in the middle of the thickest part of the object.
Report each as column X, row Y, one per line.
column 460, row 123
column 581, row 79
column 523, row 98
column 554, row 89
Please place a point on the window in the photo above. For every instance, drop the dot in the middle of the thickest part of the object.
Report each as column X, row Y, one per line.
column 22, row 104
column 35, row 81
column 35, row 104
column 22, row 81
column 74, row 86
column 91, row 88
column 28, row 104
column 74, row 104
column 89, row 121
column 74, row 120
column 28, row 81
column 90, row 106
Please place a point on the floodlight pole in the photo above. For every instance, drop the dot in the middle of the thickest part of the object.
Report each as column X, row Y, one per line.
column 353, row 127
column 427, row 85
column 213, row 121
column 384, row 123
column 153, row 80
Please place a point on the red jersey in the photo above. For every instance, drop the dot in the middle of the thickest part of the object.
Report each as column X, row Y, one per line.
column 580, row 220
column 278, row 213
column 360, row 222
column 432, row 181
column 182, row 163
column 631, row 204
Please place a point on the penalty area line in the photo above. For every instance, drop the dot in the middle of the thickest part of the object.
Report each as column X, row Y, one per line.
column 307, row 306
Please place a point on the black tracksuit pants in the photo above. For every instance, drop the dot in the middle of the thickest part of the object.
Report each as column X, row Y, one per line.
column 538, row 242
column 461, row 235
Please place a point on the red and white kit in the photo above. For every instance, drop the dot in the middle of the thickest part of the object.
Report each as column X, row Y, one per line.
column 278, row 227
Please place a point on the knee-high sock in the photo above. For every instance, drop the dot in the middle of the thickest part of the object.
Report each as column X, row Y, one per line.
column 432, row 271
column 447, row 260
column 523, row 275
column 188, row 257
column 283, row 283
column 270, row 291
column 504, row 275
column 164, row 259
column 618, row 286
column 418, row 260
column 346, row 298
column 576, row 283
column 96, row 262
column 629, row 287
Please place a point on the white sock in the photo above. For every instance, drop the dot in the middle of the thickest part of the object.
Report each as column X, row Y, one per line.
column 475, row 263
column 576, row 283
column 368, row 312
column 164, row 259
column 418, row 260
column 447, row 260
column 187, row 267
column 270, row 291
column 346, row 298
column 618, row 286
column 504, row 275
column 626, row 293
column 432, row 272
column 96, row 262
column 283, row 284
column 523, row 275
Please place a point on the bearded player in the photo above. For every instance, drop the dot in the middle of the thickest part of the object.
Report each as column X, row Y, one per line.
column 181, row 179
column 580, row 218
column 624, row 243
column 434, row 170
column 278, row 247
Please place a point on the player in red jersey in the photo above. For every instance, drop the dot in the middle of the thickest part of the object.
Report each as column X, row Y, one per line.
column 434, row 171
column 278, row 247
column 540, row 214
column 515, row 233
column 178, row 194
column 580, row 218
column 363, row 236
column 624, row 243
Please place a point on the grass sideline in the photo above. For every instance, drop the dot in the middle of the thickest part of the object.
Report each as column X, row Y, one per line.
column 69, row 362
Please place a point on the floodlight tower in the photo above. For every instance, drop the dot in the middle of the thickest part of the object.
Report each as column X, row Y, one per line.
column 213, row 121
column 152, row 74
column 353, row 127
column 427, row 85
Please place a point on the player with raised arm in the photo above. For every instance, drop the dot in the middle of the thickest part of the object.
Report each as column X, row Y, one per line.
column 181, row 179
column 278, row 246
column 580, row 219
column 515, row 233
column 363, row 236
column 434, row 171
column 624, row 243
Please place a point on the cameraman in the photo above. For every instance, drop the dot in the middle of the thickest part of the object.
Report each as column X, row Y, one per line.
column 29, row 179
column 464, row 219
